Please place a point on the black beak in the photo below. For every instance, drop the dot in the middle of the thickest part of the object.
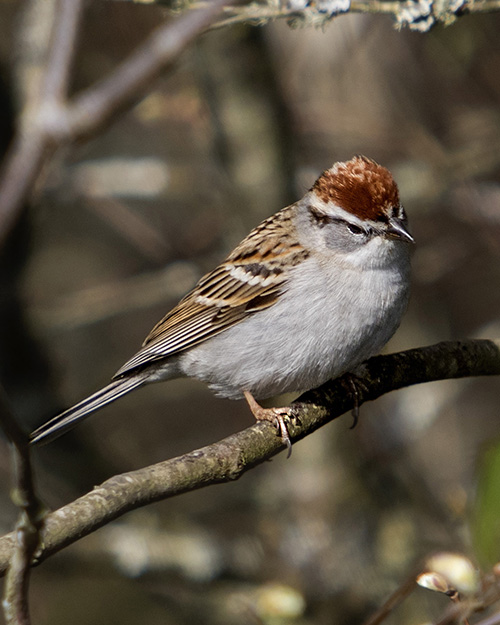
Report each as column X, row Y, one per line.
column 398, row 230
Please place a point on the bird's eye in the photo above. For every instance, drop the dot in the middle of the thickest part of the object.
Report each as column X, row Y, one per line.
column 353, row 229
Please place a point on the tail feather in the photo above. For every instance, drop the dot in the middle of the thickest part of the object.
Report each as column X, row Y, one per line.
column 69, row 418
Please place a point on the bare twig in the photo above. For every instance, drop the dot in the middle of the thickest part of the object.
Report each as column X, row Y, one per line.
column 27, row 534
column 23, row 164
column 230, row 458
column 94, row 107
column 49, row 121
column 397, row 597
column 419, row 15
column 61, row 53
column 33, row 143
column 33, row 41
column 477, row 592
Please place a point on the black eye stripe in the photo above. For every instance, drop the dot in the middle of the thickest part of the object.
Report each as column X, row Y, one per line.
column 319, row 217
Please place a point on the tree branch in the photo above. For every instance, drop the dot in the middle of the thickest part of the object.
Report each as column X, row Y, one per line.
column 49, row 120
column 230, row 458
column 26, row 537
column 93, row 108
column 419, row 15
column 60, row 57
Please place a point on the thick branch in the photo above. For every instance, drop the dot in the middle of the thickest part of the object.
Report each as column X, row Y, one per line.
column 228, row 459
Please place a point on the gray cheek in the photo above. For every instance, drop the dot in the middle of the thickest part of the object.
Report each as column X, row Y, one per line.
column 341, row 240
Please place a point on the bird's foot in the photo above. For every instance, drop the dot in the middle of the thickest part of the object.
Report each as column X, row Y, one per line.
column 274, row 415
column 353, row 384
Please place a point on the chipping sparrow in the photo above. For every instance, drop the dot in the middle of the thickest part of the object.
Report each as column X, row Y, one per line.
column 308, row 295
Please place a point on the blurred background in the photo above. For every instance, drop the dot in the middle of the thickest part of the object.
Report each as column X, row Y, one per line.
column 122, row 226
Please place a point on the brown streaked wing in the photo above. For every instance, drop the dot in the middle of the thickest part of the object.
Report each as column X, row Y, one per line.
column 221, row 299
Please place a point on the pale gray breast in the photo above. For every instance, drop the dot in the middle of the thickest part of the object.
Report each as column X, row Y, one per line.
column 317, row 330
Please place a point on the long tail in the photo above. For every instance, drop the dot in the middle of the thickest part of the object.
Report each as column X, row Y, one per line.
column 69, row 418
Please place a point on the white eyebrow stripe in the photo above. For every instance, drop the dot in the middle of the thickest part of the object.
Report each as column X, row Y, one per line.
column 334, row 211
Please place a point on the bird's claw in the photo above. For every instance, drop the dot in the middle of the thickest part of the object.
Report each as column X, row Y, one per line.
column 353, row 385
column 276, row 416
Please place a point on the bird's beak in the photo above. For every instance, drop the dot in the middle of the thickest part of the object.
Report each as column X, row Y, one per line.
column 398, row 230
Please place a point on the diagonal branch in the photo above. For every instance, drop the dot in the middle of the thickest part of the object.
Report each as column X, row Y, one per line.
column 93, row 108
column 49, row 121
column 230, row 458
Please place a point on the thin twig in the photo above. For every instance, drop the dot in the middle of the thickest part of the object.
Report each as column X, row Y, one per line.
column 33, row 144
column 397, row 597
column 24, row 161
column 27, row 534
column 63, row 47
column 230, row 458
column 486, row 593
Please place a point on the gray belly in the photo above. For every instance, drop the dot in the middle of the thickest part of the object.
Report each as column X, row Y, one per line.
column 309, row 336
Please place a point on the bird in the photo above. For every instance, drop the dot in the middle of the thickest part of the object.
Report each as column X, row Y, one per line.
column 307, row 296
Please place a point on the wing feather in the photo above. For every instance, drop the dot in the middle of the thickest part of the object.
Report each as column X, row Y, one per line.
column 249, row 280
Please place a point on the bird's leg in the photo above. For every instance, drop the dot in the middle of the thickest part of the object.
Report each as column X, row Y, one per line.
column 275, row 415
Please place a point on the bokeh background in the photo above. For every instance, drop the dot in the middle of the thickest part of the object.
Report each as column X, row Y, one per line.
column 124, row 224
